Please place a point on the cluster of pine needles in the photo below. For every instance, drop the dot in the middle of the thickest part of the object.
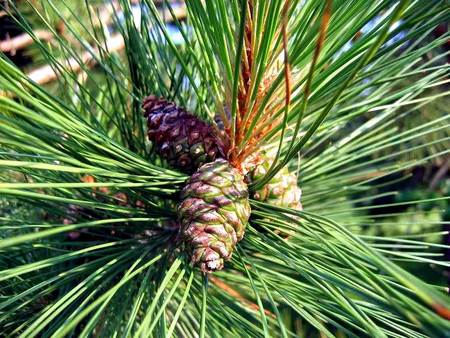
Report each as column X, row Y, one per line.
column 326, row 83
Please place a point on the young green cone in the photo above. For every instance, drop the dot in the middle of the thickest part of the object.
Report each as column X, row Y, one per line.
column 213, row 214
column 185, row 141
column 282, row 190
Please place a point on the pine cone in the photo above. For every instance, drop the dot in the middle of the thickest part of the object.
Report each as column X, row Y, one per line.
column 185, row 141
column 282, row 190
column 213, row 214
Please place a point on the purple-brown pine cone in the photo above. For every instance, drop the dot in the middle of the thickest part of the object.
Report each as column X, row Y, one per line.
column 185, row 141
column 213, row 214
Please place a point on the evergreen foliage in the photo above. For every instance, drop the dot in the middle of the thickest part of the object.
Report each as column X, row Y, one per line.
column 88, row 233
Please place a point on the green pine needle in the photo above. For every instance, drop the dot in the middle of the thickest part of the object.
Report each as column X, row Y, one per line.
column 89, row 242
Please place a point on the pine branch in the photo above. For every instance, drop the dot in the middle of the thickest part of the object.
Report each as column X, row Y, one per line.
column 344, row 91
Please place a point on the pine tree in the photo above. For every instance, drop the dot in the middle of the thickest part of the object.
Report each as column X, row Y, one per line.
column 96, row 235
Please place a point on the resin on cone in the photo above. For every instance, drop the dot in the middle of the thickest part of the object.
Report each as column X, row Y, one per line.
column 185, row 141
column 213, row 214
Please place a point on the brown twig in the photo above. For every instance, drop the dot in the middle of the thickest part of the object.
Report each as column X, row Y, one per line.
column 441, row 311
column 47, row 74
column 244, row 85
column 116, row 43
column 261, row 132
column 441, row 173
column 235, row 294
column 249, row 110
column 21, row 41
column 322, row 34
column 287, row 67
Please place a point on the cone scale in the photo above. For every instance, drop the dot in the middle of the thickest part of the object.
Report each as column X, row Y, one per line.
column 185, row 141
column 282, row 190
column 213, row 214
column 214, row 206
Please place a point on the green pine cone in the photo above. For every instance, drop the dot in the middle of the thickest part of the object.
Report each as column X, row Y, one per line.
column 282, row 190
column 213, row 214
